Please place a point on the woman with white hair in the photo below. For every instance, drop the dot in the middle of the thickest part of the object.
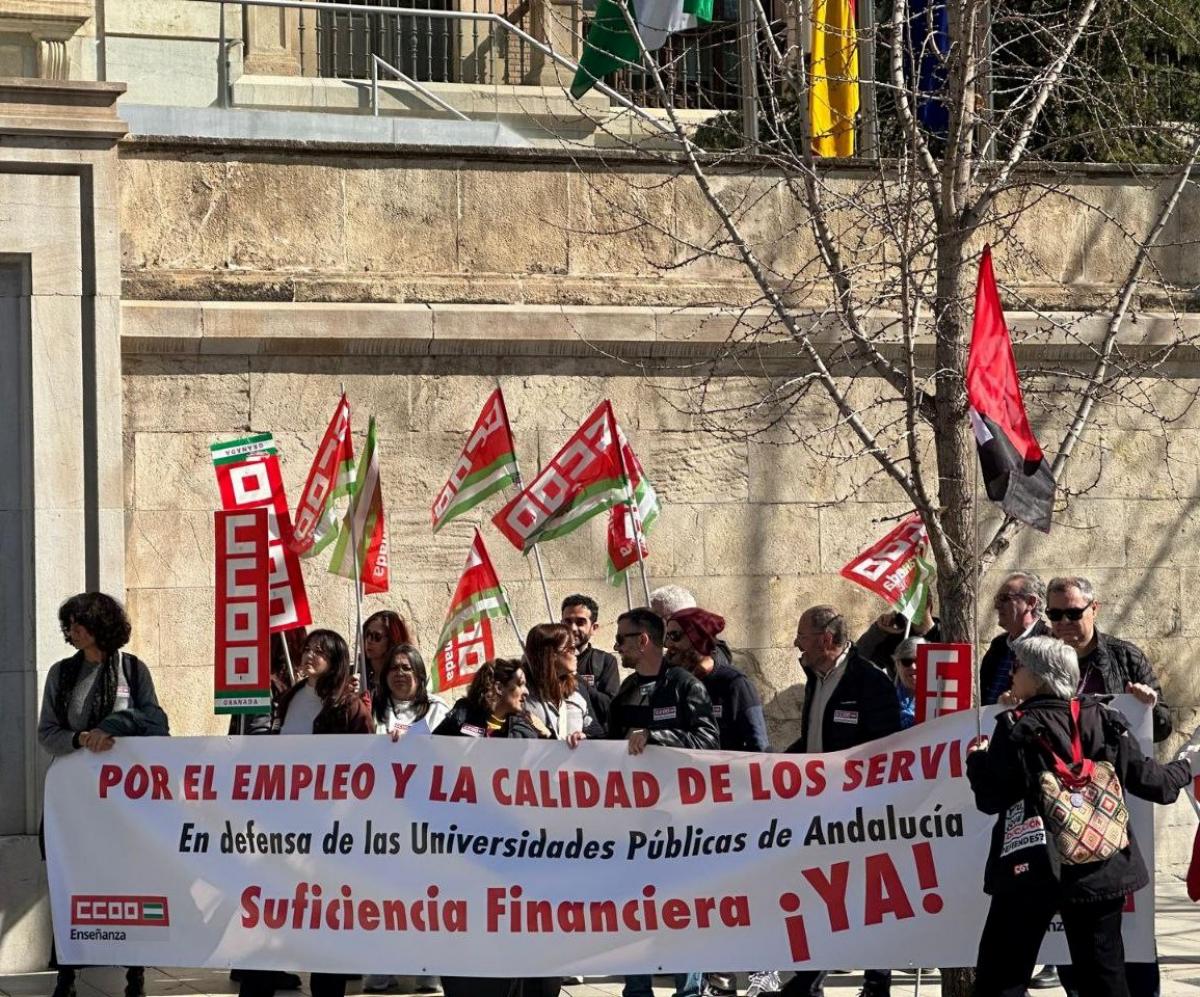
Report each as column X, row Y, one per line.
column 1052, row 759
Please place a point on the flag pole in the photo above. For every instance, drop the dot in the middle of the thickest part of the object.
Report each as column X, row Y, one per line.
column 287, row 656
column 512, row 617
column 628, row 589
column 537, row 554
column 359, row 651
column 634, row 512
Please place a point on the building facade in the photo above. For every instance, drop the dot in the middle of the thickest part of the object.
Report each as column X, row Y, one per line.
column 174, row 272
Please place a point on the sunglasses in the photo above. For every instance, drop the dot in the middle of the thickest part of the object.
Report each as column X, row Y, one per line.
column 909, row 662
column 621, row 638
column 673, row 635
column 375, row 635
column 1072, row 613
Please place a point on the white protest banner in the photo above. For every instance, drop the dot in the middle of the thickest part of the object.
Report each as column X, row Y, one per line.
column 487, row 857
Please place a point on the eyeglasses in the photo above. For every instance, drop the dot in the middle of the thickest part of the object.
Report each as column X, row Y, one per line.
column 1003, row 597
column 1072, row 613
column 673, row 635
column 621, row 638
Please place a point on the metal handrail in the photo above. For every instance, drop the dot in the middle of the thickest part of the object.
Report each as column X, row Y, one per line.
column 376, row 62
column 451, row 15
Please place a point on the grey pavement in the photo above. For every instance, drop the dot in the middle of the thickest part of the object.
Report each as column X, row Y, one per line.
column 1176, row 923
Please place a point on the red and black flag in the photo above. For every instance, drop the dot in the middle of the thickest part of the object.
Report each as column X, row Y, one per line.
column 1015, row 471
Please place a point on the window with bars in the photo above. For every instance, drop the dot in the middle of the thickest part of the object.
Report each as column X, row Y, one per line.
column 428, row 49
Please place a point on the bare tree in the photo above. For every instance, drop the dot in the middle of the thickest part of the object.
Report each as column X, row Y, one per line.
column 877, row 317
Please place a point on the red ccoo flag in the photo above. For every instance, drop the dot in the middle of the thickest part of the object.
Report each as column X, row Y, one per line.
column 1015, row 472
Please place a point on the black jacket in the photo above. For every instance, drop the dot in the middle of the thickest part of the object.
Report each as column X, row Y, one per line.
column 863, row 707
column 462, row 721
column 678, row 715
column 736, row 708
column 997, row 657
column 599, row 678
column 1120, row 662
column 1004, row 779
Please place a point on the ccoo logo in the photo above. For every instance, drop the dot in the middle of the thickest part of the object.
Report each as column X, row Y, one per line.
column 109, row 909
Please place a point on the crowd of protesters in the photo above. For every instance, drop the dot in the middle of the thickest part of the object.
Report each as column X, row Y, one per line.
column 683, row 688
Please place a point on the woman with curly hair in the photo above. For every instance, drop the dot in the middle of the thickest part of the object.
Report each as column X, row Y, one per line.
column 381, row 632
column 494, row 706
column 554, row 698
column 93, row 697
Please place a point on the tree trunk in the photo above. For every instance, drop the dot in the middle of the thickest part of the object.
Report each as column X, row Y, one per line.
column 955, row 447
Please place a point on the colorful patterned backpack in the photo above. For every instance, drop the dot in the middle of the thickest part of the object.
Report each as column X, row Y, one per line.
column 1082, row 804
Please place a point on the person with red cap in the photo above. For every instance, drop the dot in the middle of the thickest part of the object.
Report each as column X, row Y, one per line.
column 690, row 640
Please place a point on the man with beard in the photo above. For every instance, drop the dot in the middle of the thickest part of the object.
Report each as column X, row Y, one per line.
column 690, row 640
column 597, row 672
column 657, row 705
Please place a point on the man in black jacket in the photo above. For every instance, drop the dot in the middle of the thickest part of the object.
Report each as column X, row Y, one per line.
column 663, row 705
column 847, row 702
column 596, row 670
column 1106, row 665
column 1020, row 601
column 657, row 704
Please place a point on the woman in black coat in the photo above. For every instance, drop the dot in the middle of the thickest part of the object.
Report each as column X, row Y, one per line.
column 494, row 706
column 1027, row 876
column 96, row 696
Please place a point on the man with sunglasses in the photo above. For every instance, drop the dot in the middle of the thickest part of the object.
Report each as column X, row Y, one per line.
column 1019, row 603
column 662, row 705
column 1107, row 665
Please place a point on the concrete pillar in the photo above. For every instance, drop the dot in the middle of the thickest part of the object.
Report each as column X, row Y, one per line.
column 62, row 493
column 273, row 42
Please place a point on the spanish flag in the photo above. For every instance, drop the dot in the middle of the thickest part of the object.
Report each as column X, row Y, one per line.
column 833, row 90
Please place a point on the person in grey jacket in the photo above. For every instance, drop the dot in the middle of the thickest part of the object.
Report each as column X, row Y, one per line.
column 91, row 698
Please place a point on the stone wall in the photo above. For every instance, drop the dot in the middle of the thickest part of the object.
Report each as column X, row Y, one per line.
column 257, row 281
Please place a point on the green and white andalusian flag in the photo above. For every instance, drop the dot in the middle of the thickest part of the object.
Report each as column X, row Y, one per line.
column 365, row 525
column 611, row 46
